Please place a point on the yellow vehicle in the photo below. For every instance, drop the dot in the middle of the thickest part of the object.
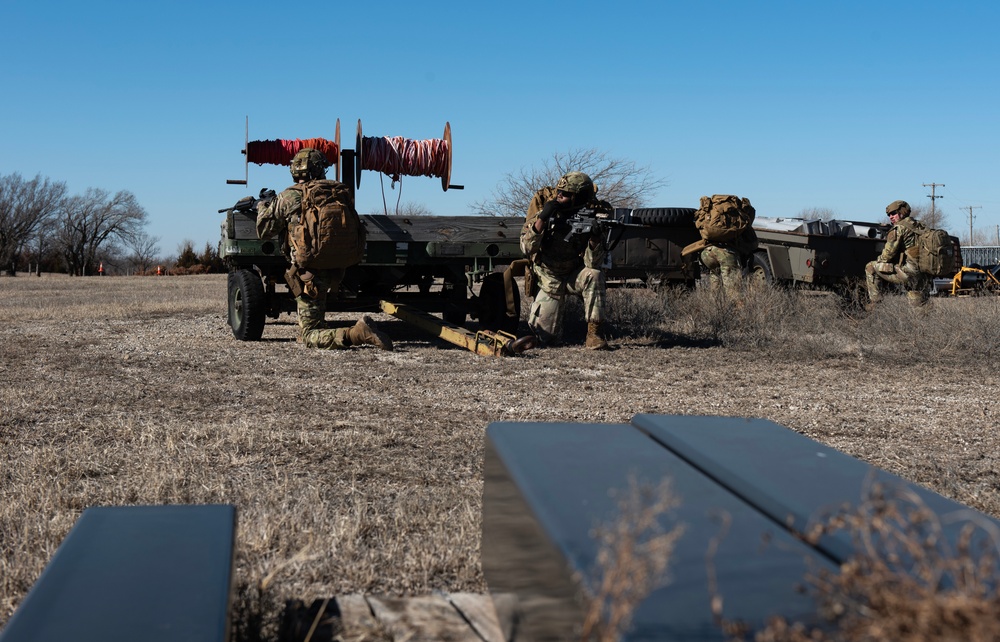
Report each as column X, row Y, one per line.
column 974, row 280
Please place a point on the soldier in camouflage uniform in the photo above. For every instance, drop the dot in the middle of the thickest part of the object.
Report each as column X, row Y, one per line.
column 724, row 262
column 897, row 263
column 275, row 217
column 565, row 267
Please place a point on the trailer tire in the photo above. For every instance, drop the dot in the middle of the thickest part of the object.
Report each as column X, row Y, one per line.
column 664, row 216
column 759, row 269
column 246, row 305
column 492, row 305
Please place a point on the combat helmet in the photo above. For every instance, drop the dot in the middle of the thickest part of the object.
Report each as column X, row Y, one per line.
column 898, row 207
column 308, row 164
column 579, row 184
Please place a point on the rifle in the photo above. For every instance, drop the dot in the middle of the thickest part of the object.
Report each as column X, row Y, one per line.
column 248, row 204
column 602, row 218
column 586, row 219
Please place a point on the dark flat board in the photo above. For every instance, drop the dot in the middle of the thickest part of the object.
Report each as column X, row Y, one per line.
column 151, row 573
column 479, row 229
column 547, row 485
column 787, row 476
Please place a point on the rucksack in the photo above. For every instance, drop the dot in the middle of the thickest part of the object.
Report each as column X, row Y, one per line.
column 935, row 253
column 329, row 234
column 723, row 217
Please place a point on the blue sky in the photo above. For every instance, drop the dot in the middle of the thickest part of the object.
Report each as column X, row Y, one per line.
column 845, row 106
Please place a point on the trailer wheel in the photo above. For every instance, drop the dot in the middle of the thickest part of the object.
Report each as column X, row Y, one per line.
column 246, row 305
column 759, row 270
column 492, row 305
column 664, row 216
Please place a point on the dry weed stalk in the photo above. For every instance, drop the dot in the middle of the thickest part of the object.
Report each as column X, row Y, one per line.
column 632, row 560
column 909, row 582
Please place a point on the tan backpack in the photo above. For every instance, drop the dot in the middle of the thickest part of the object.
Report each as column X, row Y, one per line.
column 724, row 218
column 329, row 234
column 935, row 253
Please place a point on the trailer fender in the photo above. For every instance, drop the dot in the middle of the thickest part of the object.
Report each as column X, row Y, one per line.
column 777, row 260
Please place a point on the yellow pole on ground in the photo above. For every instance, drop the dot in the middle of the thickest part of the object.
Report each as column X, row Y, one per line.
column 484, row 342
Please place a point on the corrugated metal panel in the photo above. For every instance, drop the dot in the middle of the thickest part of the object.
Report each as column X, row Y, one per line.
column 981, row 254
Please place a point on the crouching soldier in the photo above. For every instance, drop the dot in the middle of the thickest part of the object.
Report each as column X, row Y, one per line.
column 897, row 264
column 318, row 262
column 562, row 264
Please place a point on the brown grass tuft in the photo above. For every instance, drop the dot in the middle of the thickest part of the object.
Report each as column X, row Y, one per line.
column 632, row 559
column 907, row 582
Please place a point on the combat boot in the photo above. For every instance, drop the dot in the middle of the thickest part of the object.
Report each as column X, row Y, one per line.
column 364, row 333
column 594, row 339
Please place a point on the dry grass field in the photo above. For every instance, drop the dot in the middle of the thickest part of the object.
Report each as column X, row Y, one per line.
column 360, row 471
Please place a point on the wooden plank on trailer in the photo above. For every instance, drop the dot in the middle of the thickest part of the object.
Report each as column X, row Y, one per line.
column 429, row 617
column 478, row 610
column 356, row 616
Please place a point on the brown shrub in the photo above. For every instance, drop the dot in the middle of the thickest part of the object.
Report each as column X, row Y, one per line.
column 908, row 581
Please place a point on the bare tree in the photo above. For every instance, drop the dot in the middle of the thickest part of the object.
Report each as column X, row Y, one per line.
column 94, row 222
column 988, row 235
column 144, row 249
column 817, row 213
column 25, row 207
column 620, row 182
column 922, row 213
column 406, row 209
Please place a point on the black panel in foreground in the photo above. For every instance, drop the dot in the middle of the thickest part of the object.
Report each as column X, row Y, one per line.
column 151, row 573
column 745, row 490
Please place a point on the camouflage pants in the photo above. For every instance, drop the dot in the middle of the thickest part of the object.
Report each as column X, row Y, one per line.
column 548, row 309
column 724, row 269
column 312, row 313
column 914, row 283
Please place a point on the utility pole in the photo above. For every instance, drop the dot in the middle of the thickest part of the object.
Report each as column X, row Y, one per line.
column 970, row 208
column 932, row 196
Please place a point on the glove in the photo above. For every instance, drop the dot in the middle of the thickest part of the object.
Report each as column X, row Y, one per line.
column 266, row 194
column 550, row 209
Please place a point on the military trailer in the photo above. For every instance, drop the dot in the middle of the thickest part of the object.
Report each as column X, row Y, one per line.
column 816, row 254
column 809, row 253
column 792, row 251
column 646, row 244
column 434, row 263
column 430, row 262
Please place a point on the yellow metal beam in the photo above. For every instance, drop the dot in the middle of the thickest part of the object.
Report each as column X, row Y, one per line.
column 484, row 342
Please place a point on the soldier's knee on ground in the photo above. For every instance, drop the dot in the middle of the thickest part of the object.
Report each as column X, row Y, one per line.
column 324, row 339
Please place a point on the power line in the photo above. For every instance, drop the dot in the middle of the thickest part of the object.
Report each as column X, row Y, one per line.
column 970, row 208
column 932, row 196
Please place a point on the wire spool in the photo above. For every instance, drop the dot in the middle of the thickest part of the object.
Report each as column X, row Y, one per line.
column 281, row 152
column 397, row 156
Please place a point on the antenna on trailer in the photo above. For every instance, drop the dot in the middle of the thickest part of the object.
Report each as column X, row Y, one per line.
column 246, row 161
